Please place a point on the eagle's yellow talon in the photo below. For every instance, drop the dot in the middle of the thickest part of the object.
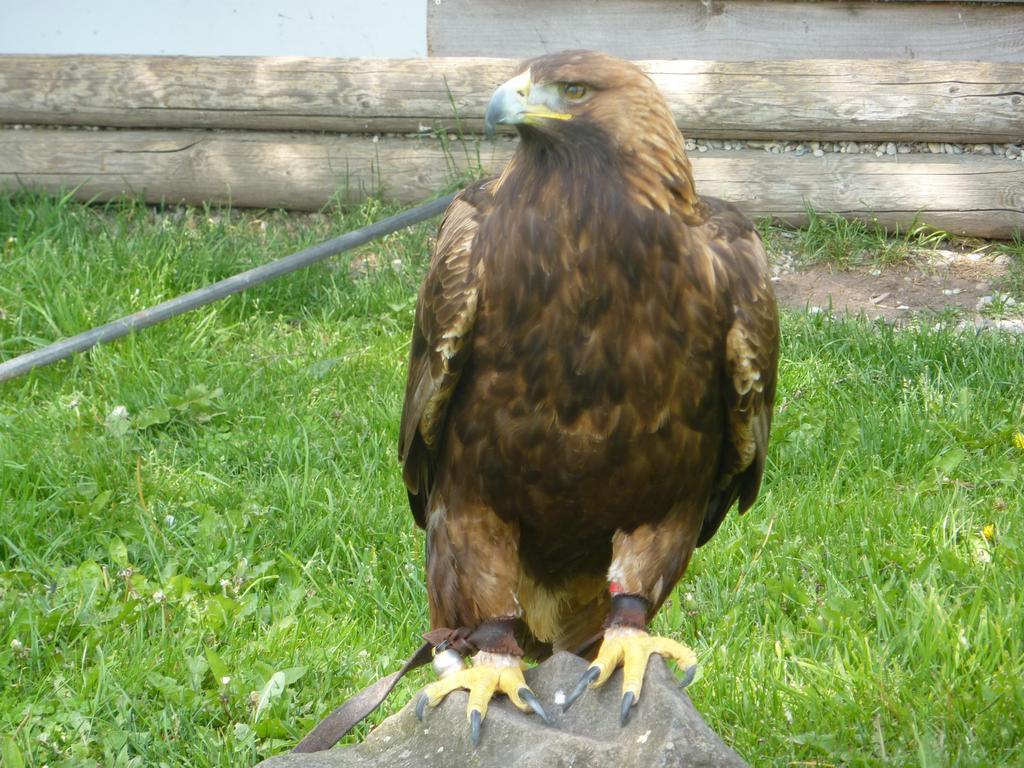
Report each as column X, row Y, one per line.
column 605, row 668
column 475, row 718
column 435, row 692
column 630, row 649
column 490, row 674
column 584, row 683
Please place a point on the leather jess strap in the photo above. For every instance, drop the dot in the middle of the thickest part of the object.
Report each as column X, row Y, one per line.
column 332, row 728
column 495, row 635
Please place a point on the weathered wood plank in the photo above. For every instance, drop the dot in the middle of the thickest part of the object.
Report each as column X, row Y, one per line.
column 824, row 99
column 261, row 169
column 838, row 99
column 262, row 93
column 977, row 195
column 733, row 30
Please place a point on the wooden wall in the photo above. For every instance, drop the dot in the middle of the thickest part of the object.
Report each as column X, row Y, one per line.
column 822, row 99
column 730, row 30
column 297, row 132
column 982, row 196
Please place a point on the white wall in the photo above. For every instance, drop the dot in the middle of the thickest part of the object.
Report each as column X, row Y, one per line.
column 385, row 28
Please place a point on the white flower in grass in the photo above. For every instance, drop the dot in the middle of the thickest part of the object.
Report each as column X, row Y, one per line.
column 159, row 596
column 225, row 680
column 117, row 421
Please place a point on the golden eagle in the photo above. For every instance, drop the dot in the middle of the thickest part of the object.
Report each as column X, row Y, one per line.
column 590, row 388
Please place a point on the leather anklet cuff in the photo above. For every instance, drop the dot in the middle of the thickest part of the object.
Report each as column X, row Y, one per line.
column 496, row 636
column 493, row 636
column 628, row 611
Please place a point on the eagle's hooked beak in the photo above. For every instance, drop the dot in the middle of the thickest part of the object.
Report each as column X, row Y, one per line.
column 518, row 102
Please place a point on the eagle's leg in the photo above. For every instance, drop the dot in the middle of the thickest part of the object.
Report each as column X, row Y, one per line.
column 646, row 564
column 493, row 671
column 472, row 573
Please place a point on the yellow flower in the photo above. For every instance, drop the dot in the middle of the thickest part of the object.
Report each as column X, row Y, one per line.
column 989, row 531
column 1018, row 440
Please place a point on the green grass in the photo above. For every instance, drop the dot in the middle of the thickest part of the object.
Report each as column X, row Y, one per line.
column 829, row 238
column 205, row 545
column 1013, row 283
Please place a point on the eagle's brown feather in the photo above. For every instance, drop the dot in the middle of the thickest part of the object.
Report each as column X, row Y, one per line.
column 592, row 368
column 445, row 314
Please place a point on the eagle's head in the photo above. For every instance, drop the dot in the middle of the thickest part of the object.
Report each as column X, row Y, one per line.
column 594, row 115
column 564, row 94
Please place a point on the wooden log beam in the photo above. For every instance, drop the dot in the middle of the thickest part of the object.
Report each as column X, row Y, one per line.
column 965, row 194
column 729, row 30
column 971, row 102
column 251, row 93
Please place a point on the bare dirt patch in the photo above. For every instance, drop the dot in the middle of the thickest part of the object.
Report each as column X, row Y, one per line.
column 934, row 282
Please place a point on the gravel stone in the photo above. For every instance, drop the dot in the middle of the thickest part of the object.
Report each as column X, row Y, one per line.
column 816, row 147
column 879, row 149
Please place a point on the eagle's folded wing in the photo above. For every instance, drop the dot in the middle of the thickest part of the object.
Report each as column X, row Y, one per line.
column 751, row 359
column 441, row 341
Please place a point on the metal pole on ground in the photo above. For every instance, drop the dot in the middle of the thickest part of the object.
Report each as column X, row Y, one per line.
column 235, row 284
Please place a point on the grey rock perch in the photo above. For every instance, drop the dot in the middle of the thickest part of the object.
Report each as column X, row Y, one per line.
column 663, row 730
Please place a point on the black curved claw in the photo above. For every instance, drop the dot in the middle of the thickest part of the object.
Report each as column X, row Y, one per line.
column 688, row 676
column 475, row 719
column 588, row 677
column 627, row 703
column 421, row 706
column 528, row 696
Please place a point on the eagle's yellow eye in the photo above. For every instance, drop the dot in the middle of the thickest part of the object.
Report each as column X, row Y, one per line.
column 574, row 91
